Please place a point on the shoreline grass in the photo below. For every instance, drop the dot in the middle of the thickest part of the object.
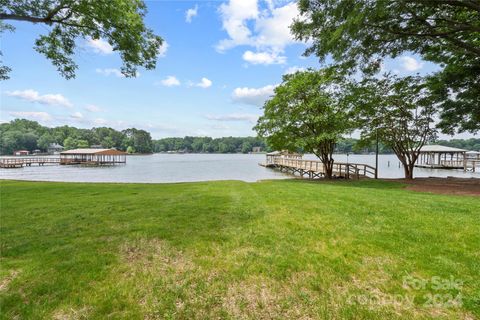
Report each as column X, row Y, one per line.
column 231, row 249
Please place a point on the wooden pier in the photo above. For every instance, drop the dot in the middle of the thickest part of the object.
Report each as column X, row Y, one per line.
column 91, row 157
column 18, row 162
column 315, row 169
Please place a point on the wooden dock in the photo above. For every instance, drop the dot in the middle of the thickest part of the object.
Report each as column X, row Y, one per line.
column 467, row 165
column 314, row 168
column 17, row 162
column 87, row 157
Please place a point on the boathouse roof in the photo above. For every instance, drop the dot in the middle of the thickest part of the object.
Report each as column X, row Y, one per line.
column 109, row 152
column 440, row 148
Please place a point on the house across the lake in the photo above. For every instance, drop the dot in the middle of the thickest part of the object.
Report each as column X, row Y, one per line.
column 21, row 153
column 93, row 156
column 54, row 148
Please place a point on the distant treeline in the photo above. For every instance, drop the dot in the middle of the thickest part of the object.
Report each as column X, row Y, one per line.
column 468, row 144
column 210, row 145
column 21, row 134
column 244, row 145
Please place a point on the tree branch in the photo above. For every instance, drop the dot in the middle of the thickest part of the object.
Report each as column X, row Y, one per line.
column 5, row 16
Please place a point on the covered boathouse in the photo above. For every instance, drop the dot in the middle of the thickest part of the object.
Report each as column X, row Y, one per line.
column 93, row 157
column 441, row 157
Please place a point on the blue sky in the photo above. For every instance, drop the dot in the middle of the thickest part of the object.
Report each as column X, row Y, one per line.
column 220, row 62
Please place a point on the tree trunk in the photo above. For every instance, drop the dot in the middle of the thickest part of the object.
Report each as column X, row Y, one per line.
column 408, row 169
column 324, row 152
column 407, row 165
column 328, row 165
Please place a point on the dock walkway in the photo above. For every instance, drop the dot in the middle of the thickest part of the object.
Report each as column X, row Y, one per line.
column 27, row 161
column 315, row 169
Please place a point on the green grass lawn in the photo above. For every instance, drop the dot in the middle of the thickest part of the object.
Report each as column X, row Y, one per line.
column 230, row 250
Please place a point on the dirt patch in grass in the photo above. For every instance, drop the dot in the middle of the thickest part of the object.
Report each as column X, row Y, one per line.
column 71, row 314
column 451, row 186
column 5, row 282
column 168, row 283
column 263, row 298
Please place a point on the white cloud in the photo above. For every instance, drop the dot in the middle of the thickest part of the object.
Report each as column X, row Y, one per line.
column 92, row 108
column 234, row 20
column 113, row 71
column 253, row 96
column 100, row 46
column 252, row 118
column 47, row 99
column 263, row 57
column 162, row 51
column 294, row 69
column 76, row 115
column 43, row 116
column 274, row 29
column 190, row 13
column 169, row 81
column 268, row 30
column 204, row 83
column 410, row 63
column 110, row 71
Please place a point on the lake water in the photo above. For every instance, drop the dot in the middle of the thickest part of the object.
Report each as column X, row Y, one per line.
column 158, row 168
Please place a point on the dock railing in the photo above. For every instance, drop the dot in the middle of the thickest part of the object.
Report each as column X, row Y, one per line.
column 347, row 170
column 26, row 161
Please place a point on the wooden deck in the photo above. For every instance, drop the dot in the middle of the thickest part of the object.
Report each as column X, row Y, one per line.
column 314, row 168
column 468, row 165
column 19, row 162
column 27, row 161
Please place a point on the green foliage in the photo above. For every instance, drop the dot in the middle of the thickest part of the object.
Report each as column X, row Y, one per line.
column 361, row 33
column 130, row 149
column 307, row 112
column 44, row 141
column 29, row 135
column 209, row 145
column 232, row 250
column 70, row 143
column 119, row 22
column 140, row 140
column 350, row 145
column 468, row 144
column 399, row 112
column 82, row 144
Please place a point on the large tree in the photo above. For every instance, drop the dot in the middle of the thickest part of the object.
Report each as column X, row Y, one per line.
column 360, row 33
column 306, row 112
column 398, row 111
column 119, row 22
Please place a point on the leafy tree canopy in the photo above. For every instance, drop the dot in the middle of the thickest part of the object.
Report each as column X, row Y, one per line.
column 25, row 134
column 119, row 22
column 307, row 112
column 399, row 111
column 360, row 33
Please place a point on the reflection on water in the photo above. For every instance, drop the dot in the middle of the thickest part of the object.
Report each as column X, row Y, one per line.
column 200, row 167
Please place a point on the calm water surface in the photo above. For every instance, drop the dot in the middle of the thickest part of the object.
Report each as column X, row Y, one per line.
column 200, row 167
